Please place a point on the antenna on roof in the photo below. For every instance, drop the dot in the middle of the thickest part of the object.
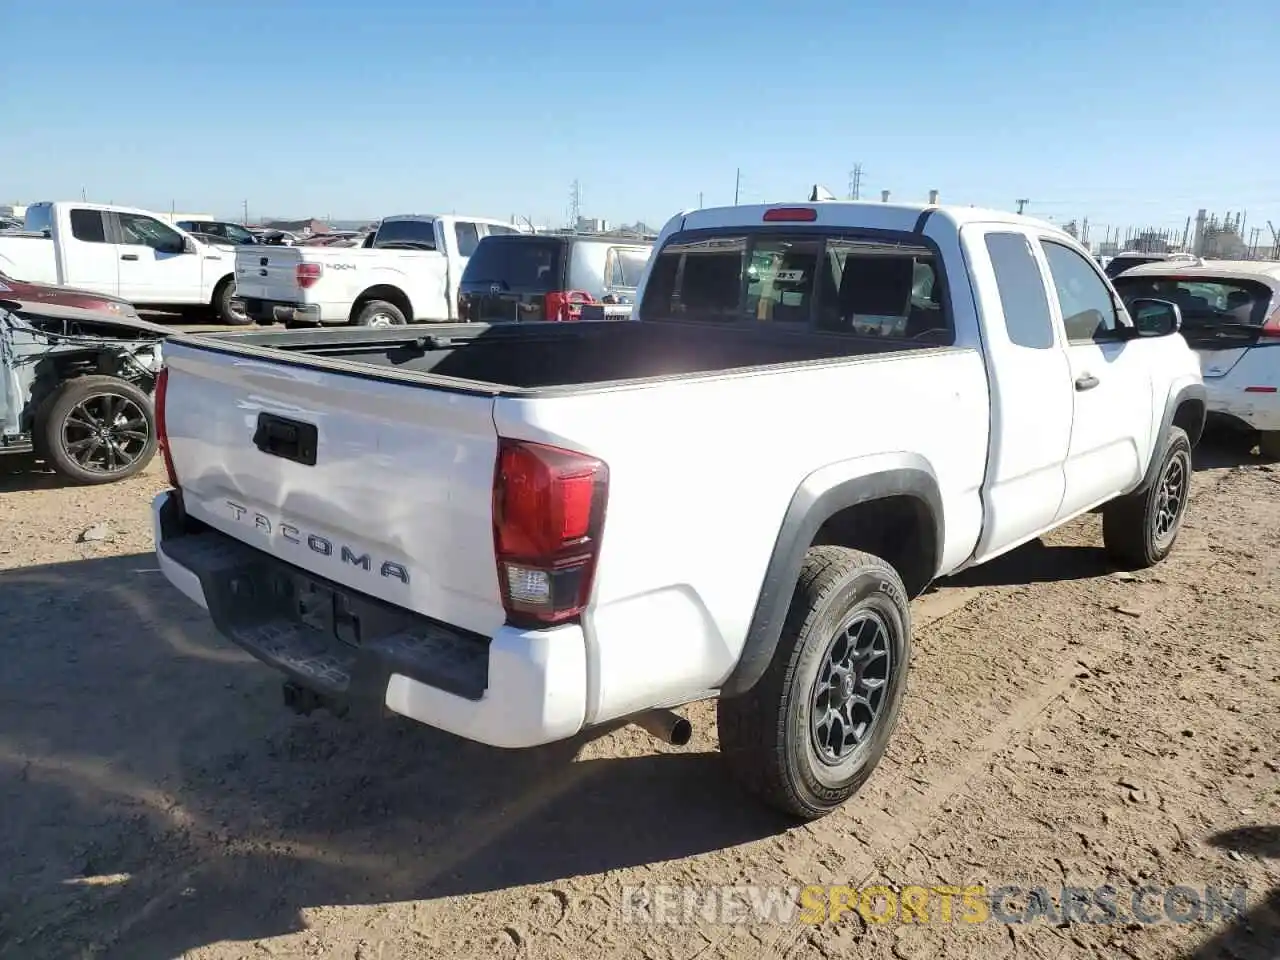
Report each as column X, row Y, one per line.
column 820, row 194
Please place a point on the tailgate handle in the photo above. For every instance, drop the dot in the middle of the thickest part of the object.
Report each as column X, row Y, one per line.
column 290, row 439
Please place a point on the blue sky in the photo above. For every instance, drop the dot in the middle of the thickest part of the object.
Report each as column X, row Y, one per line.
column 1128, row 113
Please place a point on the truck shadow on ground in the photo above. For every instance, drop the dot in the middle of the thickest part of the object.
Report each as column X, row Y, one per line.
column 1036, row 562
column 158, row 797
column 1256, row 935
column 1224, row 447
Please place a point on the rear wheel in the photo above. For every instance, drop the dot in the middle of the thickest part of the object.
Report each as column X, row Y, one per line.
column 222, row 298
column 807, row 736
column 97, row 429
column 1139, row 529
column 379, row 313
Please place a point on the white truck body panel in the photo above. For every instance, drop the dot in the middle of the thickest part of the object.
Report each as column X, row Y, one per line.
column 699, row 480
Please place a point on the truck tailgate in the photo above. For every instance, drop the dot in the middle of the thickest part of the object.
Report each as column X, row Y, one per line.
column 381, row 487
column 268, row 273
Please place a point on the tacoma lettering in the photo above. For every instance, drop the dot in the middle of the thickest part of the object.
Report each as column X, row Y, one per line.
column 387, row 569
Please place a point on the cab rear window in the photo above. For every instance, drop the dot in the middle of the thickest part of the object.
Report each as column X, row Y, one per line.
column 517, row 264
column 832, row 283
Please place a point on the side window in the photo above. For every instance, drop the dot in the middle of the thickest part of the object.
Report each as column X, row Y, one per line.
column 468, row 237
column 147, row 232
column 1022, row 293
column 1088, row 312
column 86, row 225
column 494, row 230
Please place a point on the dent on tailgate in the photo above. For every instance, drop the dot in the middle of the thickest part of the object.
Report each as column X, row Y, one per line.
column 392, row 499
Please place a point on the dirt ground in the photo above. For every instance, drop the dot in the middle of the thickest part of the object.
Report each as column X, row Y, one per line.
column 1065, row 726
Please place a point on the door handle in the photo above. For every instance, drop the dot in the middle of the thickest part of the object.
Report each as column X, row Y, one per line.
column 1086, row 381
column 129, row 256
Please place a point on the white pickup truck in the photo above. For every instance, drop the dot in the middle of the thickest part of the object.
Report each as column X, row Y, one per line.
column 407, row 271
column 123, row 252
column 516, row 532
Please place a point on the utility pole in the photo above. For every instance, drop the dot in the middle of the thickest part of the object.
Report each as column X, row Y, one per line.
column 246, row 211
column 1084, row 232
column 737, row 185
column 84, row 194
column 1022, row 205
column 575, row 204
column 855, row 182
column 699, row 199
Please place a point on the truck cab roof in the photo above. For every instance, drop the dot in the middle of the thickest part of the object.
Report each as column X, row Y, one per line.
column 904, row 217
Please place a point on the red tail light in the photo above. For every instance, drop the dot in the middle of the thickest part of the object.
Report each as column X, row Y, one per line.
column 1271, row 328
column 308, row 274
column 162, row 428
column 548, row 514
column 791, row 215
column 566, row 304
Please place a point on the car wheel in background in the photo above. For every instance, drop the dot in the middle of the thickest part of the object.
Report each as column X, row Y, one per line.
column 379, row 313
column 222, row 305
column 96, row 429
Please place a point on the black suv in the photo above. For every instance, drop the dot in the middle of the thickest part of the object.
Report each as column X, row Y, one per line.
column 523, row 277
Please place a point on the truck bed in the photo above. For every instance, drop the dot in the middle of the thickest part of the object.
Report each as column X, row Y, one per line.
column 539, row 356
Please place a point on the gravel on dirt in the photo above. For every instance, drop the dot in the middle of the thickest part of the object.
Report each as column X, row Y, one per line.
column 1067, row 725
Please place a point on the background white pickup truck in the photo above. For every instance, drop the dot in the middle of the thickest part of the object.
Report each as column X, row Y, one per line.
column 515, row 532
column 123, row 252
column 408, row 271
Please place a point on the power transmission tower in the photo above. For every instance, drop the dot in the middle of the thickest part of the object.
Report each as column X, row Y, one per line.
column 855, row 182
column 737, row 185
column 575, row 204
column 1022, row 205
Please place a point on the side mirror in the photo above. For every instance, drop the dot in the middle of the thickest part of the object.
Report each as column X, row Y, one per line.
column 1155, row 318
column 188, row 245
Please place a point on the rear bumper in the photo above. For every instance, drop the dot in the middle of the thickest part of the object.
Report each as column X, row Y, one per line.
column 515, row 689
column 1261, row 411
column 280, row 311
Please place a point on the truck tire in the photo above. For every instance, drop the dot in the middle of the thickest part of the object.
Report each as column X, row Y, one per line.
column 1269, row 444
column 96, row 429
column 1139, row 529
column 379, row 313
column 222, row 297
column 806, row 737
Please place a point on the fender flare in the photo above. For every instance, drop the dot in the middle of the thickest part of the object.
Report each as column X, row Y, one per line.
column 1192, row 391
column 805, row 515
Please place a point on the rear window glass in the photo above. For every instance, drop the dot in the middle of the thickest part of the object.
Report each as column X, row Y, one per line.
column 39, row 218
column 411, row 234
column 1205, row 302
column 834, row 283
column 526, row 264
column 627, row 266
